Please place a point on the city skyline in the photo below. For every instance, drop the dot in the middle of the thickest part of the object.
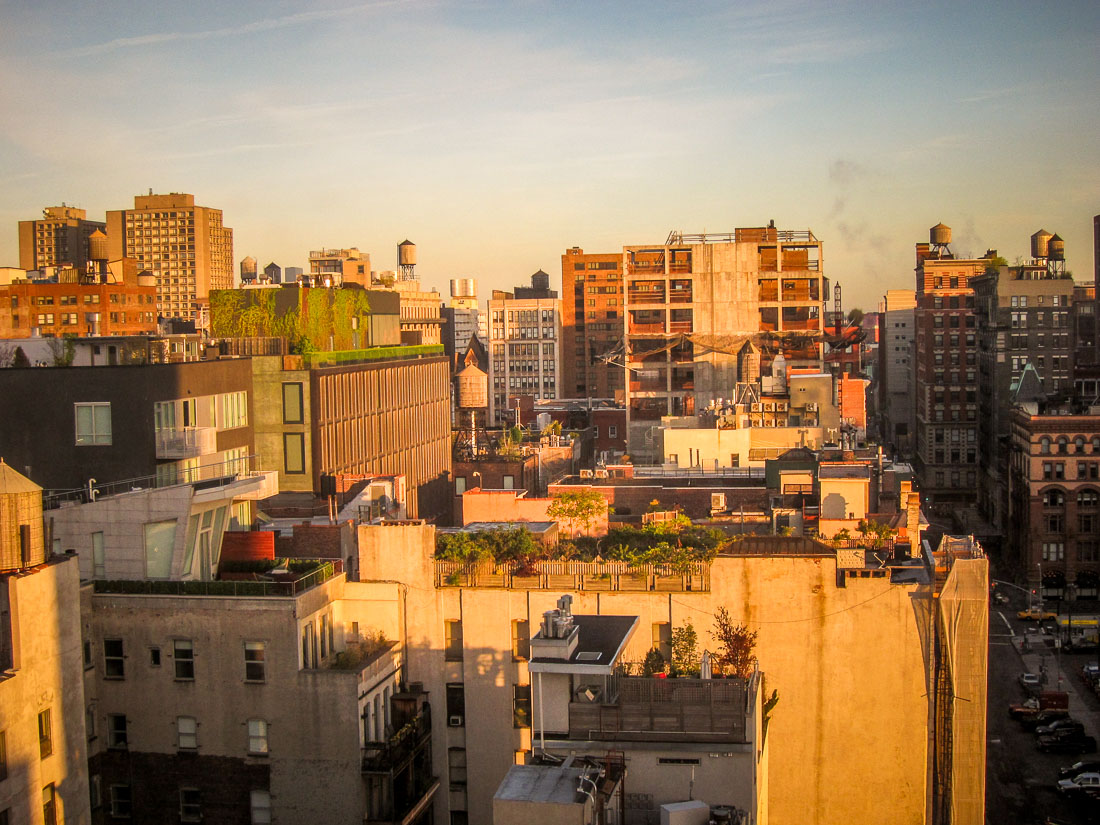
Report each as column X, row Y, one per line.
column 523, row 131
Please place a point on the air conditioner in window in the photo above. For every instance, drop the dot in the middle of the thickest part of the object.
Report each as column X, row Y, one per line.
column 811, row 407
column 756, row 408
column 455, row 720
column 586, row 474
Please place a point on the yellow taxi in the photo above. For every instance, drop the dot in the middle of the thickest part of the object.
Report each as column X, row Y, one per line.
column 1036, row 615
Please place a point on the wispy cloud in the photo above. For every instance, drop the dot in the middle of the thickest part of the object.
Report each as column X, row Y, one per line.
column 994, row 94
column 268, row 24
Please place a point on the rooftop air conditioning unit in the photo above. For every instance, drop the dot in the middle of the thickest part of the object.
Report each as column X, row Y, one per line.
column 717, row 502
column 454, row 720
column 601, row 473
column 756, row 408
column 769, row 406
column 781, row 406
column 586, row 474
column 811, row 407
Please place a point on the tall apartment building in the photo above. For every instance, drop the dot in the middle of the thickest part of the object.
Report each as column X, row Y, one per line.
column 186, row 247
column 524, row 345
column 593, row 321
column 1023, row 317
column 59, row 238
column 706, row 312
column 946, row 376
column 897, row 325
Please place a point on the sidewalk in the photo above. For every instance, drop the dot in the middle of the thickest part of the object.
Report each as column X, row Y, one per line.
column 1043, row 654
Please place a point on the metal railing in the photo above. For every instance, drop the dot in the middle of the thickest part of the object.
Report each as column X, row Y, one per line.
column 384, row 757
column 150, row 587
column 575, row 575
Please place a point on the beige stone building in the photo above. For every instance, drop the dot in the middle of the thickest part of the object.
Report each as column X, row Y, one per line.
column 186, row 247
column 43, row 767
column 832, row 626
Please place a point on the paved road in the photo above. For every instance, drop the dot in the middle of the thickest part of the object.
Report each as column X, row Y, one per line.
column 1020, row 779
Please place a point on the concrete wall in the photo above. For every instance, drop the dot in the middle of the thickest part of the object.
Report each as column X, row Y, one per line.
column 833, row 757
column 46, row 676
column 844, row 498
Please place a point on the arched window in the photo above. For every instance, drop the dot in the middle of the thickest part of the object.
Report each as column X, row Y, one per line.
column 1096, row 444
column 1088, row 499
column 1044, row 445
column 1062, row 442
column 1054, row 498
column 1079, row 444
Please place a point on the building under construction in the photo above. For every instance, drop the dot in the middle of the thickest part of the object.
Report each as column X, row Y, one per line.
column 703, row 313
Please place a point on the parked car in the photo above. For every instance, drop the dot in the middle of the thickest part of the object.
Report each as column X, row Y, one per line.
column 1043, row 718
column 1047, row 700
column 1030, row 682
column 1084, row 784
column 1091, row 766
column 1090, row 670
column 1036, row 614
column 1067, row 744
column 1061, row 727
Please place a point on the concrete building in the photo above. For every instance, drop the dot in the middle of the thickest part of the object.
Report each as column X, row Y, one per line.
column 382, row 411
column 946, row 371
column 336, row 267
column 706, row 312
column 121, row 303
column 895, row 379
column 524, row 347
column 480, row 640
column 60, row 238
column 43, row 743
column 592, row 323
column 1054, row 497
column 1023, row 316
column 186, row 247
column 421, row 322
column 139, row 425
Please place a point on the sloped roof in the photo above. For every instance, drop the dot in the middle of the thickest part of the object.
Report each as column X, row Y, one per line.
column 13, row 482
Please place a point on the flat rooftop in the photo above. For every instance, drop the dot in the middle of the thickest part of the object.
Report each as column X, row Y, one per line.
column 550, row 784
column 600, row 642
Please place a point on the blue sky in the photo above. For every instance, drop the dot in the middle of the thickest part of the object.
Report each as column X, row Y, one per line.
column 496, row 135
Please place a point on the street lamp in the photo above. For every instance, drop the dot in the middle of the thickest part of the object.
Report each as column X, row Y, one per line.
column 479, row 483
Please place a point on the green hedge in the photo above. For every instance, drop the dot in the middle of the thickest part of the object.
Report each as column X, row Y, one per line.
column 351, row 356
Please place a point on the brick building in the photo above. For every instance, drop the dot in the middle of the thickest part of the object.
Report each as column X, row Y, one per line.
column 592, row 323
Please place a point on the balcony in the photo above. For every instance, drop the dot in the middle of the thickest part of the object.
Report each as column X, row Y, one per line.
column 188, row 442
column 398, row 772
column 643, row 709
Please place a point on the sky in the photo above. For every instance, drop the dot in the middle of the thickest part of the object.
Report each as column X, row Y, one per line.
column 497, row 135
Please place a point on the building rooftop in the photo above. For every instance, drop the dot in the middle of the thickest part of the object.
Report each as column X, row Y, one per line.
column 552, row 784
column 842, row 471
column 600, row 642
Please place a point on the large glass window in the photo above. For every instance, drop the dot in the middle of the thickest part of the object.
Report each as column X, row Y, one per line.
column 160, row 539
column 93, row 424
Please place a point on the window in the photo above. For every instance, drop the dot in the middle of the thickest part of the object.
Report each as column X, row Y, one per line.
column 521, row 706
column 294, row 453
column 662, row 639
column 521, row 639
column 260, row 805
column 1086, row 524
column 460, row 485
column 49, row 805
column 456, row 704
column 456, row 766
column 93, row 424
column 254, row 662
column 1053, row 551
column 114, row 662
column 160, row 539
column 187, row 733
column 183, row 651
column 1055, row 523
column 154, row 657
column 45, row 734
column 612, row 431
column 1054, row 498
column 257, row 736
column 292, row 403
column 452, row 629
column 190, row 805
column 116, row 730
column 509, row 483
column 120, row 801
